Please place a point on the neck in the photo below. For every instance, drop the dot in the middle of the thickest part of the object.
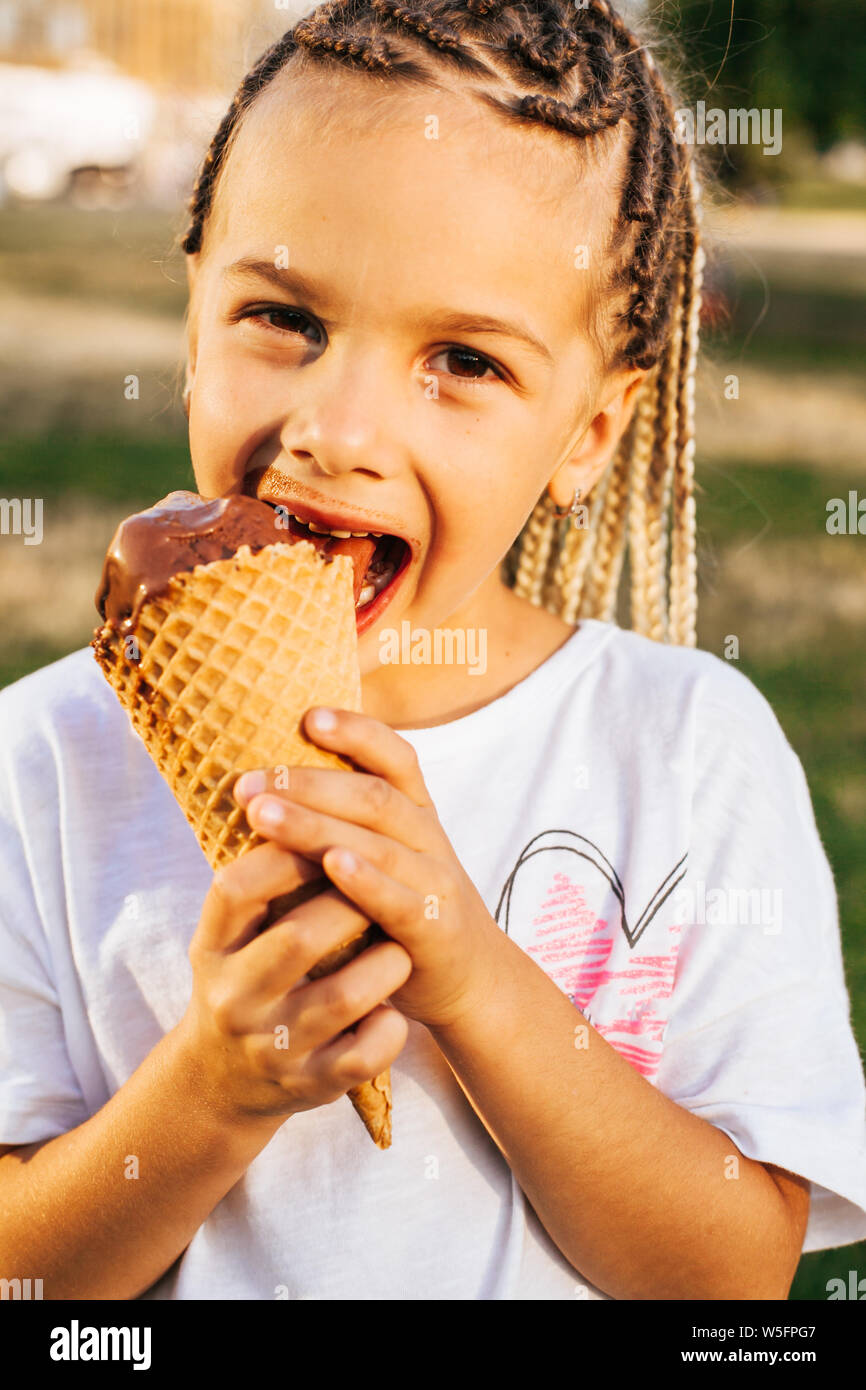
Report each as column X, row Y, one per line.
column 429, row 677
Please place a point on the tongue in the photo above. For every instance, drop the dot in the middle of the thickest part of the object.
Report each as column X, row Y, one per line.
column 360, row 550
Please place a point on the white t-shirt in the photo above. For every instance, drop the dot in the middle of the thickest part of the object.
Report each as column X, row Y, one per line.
column 631, row 814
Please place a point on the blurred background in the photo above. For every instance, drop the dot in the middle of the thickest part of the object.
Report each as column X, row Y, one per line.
column 106, row 108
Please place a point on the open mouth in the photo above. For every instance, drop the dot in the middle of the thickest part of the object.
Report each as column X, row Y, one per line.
column 378, row 560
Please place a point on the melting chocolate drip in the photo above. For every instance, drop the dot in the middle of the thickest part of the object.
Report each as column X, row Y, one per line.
column 185, row 530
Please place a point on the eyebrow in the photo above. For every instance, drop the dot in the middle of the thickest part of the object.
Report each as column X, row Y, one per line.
column 445, row 320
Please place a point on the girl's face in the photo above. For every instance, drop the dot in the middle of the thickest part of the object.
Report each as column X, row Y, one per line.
column 343, row 355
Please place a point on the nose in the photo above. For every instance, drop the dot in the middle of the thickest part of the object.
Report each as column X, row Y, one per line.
column 345, row 415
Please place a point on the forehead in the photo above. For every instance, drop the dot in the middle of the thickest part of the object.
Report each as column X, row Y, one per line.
column 401, row 190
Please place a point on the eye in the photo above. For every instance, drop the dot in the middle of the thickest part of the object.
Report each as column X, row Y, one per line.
column 471, row 358
column 285, row 319
column 280, row 318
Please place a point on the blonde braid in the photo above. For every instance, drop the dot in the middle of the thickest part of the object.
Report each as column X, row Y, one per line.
column 577, row 553
column 654, row 597
column 660, row 476
column 684, row 595
column 553, row 594
column 535, row 551
column 599, row 599
column 638, row 527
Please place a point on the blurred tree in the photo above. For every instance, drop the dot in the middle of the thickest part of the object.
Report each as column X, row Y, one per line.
column 807, row 57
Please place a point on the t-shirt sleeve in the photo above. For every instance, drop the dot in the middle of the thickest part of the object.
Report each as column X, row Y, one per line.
column 39, row 1094
column 760, row 1042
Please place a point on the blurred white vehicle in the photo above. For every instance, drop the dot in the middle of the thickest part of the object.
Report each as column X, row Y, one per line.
column 59, row 124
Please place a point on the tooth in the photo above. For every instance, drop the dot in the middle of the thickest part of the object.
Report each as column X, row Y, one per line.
column 368, row 592
column 319, row 530
column 341, row 535
column 360, row 533
column 377, row 534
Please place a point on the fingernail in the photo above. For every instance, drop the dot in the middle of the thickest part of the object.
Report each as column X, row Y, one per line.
column 250, row 784
column 344, row 859
column 324, row 720
column 269, row 813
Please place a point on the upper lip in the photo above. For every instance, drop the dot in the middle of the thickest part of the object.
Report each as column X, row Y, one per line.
column 335, row 520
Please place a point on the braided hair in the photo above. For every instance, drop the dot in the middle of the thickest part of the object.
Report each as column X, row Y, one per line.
column 587, row 74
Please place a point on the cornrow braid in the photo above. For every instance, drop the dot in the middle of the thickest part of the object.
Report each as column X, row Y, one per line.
column 486, row 8
column 445, row 40
column 571, row 119
column 370, row 52
column 259, row 76
column 550, row 53
column 580, row 70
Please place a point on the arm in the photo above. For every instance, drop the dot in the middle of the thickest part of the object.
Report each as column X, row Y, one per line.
column 636, row 1191
column 210, row 1095
column 70, row 1216
column 631, row 1187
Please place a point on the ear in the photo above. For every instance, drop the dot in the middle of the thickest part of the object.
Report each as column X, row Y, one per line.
column 588, row 460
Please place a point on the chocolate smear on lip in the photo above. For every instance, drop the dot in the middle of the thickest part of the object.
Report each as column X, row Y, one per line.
column 184, row 530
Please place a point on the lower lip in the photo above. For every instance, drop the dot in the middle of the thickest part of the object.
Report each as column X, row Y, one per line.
column 373, row 610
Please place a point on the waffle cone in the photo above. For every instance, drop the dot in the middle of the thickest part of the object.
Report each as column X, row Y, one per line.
column 216, row 678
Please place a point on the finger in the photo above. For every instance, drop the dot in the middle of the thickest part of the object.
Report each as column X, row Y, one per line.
column 373, row 746
column 353, row 796
column 365, row 1052
column 276, row 960
column 317, row 1012
column 398, row 909
column 310, row 834
column 237, row 900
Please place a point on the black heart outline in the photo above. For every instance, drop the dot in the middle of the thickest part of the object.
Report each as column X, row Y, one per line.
column 606, row 869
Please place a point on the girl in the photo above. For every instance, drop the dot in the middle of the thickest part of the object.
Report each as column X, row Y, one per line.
column 444, row 285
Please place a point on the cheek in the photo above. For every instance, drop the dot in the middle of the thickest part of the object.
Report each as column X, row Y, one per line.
column 477, row 518
column 225, row 412
column 489, row 502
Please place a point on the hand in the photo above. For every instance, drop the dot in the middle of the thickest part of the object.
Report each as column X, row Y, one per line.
column 249, row 987
column 406, row 875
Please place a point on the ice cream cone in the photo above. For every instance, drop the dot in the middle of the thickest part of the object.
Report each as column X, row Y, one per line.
column 216, row 675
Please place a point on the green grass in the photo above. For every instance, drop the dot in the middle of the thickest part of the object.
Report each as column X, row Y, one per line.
column 124, row 258
column 780, row 322
column 771, row 347
column 113, row 468
column 20, row 660
column 824, row 195
column 52, row 227
column 819, row 697
column 823, row 722
column 739, row 501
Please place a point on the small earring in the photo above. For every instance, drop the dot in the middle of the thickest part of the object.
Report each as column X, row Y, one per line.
column 569, row 511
